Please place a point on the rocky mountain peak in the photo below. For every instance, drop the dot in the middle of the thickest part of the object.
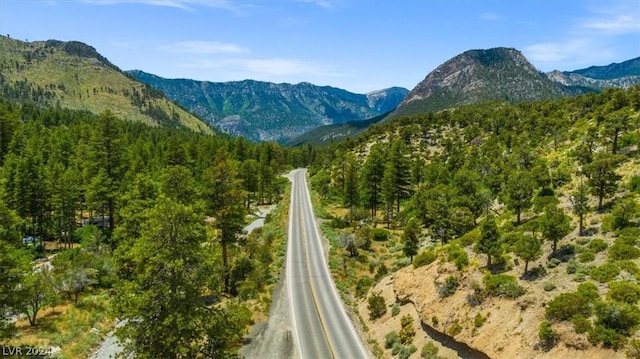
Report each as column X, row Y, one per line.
column 479, row 75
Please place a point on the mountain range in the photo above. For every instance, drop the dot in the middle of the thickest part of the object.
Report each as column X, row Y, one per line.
column 74, row 75
column 505, row 74
column 264, row 111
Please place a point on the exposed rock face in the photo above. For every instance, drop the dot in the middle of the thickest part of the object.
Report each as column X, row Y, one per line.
column 479, row 75
column 272, row 112
column 509, row 330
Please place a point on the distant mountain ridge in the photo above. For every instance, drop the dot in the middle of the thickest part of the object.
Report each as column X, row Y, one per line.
column 598, row 78
column 476, row 76
column 505, row 74
column 74, row 75
column 268, row 111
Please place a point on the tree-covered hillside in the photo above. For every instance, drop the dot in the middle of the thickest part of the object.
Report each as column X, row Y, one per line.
column 495, row 200
column 74, row 75
column 145, row 221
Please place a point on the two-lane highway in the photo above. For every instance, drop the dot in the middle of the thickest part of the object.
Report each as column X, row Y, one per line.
column 321, row 327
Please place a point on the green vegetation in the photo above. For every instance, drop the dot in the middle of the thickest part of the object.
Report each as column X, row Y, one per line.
column 73, row 75
column 377, row 307
column 160, row 213
column 494, row 181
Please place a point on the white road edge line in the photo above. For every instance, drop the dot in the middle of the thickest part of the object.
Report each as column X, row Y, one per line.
column 289, row 264
column 333, row 286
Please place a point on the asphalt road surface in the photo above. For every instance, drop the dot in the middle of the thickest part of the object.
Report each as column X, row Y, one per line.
column 321, row 328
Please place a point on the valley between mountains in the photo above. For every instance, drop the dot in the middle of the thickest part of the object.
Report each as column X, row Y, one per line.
column 491, row 211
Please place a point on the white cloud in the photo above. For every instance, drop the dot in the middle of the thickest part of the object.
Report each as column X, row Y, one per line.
column 180, row 4
column 490, row 16
column 204, row 48
column 321, row 3
column 620, row 24
column 618, row 17
column 549, row 52
column 261, row 68
column 589, row 40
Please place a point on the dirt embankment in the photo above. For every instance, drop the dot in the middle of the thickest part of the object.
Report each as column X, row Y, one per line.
column 509, row 327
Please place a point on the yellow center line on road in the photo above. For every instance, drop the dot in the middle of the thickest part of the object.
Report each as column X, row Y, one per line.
column 312, row 286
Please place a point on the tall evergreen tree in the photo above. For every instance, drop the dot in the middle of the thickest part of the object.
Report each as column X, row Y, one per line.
column 580, row 201
column 554, row 225
column 400, row 173
column 411, row 238
column 163, row 302
column 224, row 198
column 528, row 248
column 602, row 177
column 518, row 192
column 490, row 240
column 371, row 179
column 350, row 195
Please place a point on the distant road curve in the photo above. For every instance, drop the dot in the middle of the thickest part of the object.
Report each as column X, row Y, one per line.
column 321, row 327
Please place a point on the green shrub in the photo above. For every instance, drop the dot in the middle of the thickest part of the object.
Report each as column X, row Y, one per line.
column 477, row 296
column 621, row 317
column 424, row 258
column 380, row 235
column 502, row 285
column 470, row 237
column 566, row 305
column 586, row 256
column 588, row 291
column 606, row 336
column 626, row 292
column 395, row 309
column 449, row 287
column 381, row 272
column 581, row 324
column 605, row 272
column 548, row 286
column 429, row 350
column 458, row 256
column 629, row 266
column 620, row 251
column 573, row 266
column 377, row 307
column 634, row 184
column 553, row 262
column 435, row 321
column 479, row 320
column 407, row 332
column 454, row 329
column 247, row 290
column 629, row 235
column 397, row 346
column 406, row 351
column 339, row 223
column 597, row 245
column 363, row 284
column 547, row 335
column 390, row 339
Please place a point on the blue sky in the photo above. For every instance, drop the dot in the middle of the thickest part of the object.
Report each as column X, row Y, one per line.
column 357, row 45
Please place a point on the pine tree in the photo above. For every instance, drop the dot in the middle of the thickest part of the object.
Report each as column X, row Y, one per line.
column 162, row 303
column 554, row 225
column 371, row 179
column 224, row 198
column 580, row 201
column 490, row 240
column 602, row 177
column 401, row 174
column 518, row 192
column 350, row 195
column 528, row 248
column 411, row 238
